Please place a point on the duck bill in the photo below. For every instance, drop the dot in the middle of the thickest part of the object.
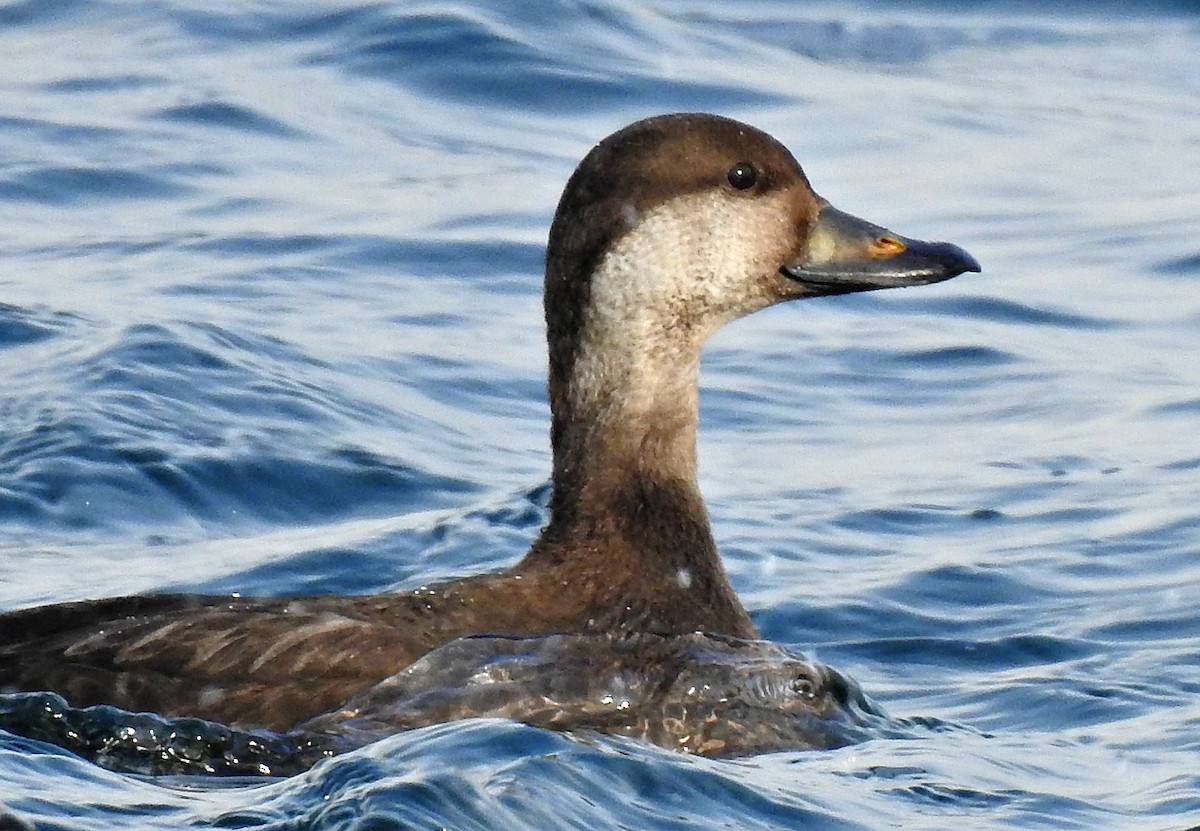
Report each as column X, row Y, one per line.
column 847, row 254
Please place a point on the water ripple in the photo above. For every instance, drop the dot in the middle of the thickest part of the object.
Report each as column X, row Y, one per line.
column 228, row 116
column 269, row 323
column 72, row 185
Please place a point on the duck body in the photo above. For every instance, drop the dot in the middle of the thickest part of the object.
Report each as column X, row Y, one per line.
column 277, row 662
column 668, row 229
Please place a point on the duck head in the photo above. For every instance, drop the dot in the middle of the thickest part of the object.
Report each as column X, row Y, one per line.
column 680, row 223
column 677, row 224
column 668, row 229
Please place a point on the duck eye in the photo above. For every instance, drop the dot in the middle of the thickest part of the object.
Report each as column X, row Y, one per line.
column 743, row 175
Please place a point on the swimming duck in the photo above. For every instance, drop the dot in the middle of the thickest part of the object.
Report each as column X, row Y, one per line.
column 666, row 230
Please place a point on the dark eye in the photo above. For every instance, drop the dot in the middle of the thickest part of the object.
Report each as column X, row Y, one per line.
column 743, row 175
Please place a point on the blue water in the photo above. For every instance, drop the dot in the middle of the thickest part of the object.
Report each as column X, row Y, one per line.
column 270, row 323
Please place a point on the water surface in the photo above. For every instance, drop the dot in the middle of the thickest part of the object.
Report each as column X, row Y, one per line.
column 270, row 323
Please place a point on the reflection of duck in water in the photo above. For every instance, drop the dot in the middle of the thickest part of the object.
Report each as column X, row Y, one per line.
column 668, row 229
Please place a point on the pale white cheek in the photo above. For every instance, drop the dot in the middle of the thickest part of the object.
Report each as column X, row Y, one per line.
column 693, row 259
column 686, row 267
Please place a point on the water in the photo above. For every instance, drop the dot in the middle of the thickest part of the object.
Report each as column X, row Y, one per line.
column 271, row 324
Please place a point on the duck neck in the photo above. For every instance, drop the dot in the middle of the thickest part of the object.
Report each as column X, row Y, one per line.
column 628, row 544
column 624, row 441
column 627, row 522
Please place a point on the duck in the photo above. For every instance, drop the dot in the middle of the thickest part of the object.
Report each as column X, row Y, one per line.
column 668, row 229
